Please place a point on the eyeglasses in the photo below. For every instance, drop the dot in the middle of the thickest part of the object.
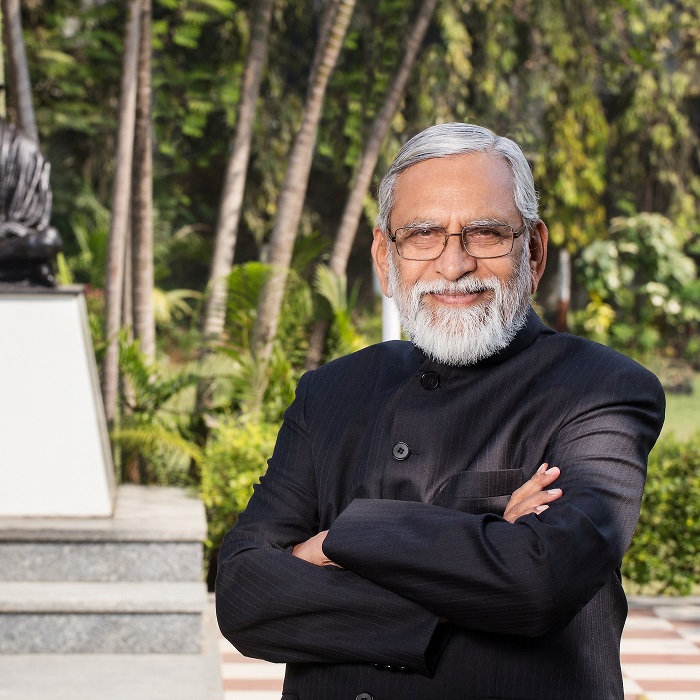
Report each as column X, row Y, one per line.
column 479, row 240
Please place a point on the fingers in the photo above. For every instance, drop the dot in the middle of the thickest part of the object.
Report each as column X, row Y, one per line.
column 542, row 478
column 535, row 504
column 534, row 496
column 312, row 550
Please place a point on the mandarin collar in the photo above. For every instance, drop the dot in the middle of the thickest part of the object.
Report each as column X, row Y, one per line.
column 523, row 339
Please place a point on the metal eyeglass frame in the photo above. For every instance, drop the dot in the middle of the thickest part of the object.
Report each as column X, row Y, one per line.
column 515, row 234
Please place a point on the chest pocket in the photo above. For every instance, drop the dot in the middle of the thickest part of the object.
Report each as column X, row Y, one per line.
column 480, row 492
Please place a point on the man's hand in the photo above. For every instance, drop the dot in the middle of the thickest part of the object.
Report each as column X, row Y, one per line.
column 311, row 550
column 533, row 496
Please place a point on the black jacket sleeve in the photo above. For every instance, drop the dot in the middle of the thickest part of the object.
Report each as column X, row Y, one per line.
column 274, row 606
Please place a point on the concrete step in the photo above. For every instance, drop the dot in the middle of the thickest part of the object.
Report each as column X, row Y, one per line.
column 156, row 534
column 116, row 677
column 100, row 561
column 101, row 618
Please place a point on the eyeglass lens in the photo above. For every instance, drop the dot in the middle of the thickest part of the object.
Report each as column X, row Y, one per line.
column 418, row 243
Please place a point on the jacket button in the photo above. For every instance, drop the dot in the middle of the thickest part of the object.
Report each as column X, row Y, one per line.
column 364, row 696
column 430, row 380
column 401, row 451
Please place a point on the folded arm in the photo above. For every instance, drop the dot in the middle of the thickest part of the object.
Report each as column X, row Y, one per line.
column 273, row 605
column 533, row 497
column 484, row 573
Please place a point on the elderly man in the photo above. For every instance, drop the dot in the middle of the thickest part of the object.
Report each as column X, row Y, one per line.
column 404, row 542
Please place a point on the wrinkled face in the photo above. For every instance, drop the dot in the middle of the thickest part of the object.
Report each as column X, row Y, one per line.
column 457, row 308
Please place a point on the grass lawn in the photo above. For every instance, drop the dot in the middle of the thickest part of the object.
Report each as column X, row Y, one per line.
column 683, row 412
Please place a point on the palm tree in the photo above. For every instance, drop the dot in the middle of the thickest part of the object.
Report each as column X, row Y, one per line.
column 142, row 198
column 119, row 222
column 234, row 184
column 19, row 71
column 230, row 210
column 350, row 220
column 293, row 191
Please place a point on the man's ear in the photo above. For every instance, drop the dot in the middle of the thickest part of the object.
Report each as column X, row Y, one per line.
column 380, row 255
column 539, row 236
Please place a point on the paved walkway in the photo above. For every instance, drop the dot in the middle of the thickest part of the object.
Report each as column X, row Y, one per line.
column 660, row 656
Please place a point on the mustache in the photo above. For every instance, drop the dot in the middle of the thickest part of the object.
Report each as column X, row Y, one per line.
column 466, row 285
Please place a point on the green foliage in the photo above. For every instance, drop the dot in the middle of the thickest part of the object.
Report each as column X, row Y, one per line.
column 653, row 142
column 235, row 458
column 154, row 425
column 640, row 282
column 345, row 337
column 244, row 285
column 86, row 251
column 374, row 41
column 599, row 93
column 665, row 550
column 171, row 305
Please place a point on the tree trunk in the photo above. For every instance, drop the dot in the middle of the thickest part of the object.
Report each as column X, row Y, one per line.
column 142, row 197
column 119, row 223
column 234, row 185
column 127, row 312
column 293, row 192
column 19, row 71
column 328, row 14
column 230, row 211
column 350, row 220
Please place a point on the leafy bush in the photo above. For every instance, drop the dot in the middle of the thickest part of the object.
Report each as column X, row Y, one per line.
column 665, row 552
column 642, row 286
column 152, row 439
column 235, row 457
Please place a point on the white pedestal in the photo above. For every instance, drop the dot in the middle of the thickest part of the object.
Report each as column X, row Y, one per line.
column 55, row 458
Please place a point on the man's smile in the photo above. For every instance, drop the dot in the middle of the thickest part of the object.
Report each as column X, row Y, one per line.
column 458, row 298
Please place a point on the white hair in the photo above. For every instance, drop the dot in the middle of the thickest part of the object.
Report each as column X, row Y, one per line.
column 456, row 138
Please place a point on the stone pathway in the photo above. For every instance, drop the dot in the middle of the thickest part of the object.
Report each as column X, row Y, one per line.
column 660, row 650
column 660, row 656
column 249, row 679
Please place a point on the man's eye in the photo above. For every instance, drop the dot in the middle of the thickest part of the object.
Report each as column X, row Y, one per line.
column 484, row 234
column 422, row 233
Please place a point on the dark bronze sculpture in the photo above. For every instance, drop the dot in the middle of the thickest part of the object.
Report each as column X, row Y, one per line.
column 28, row 244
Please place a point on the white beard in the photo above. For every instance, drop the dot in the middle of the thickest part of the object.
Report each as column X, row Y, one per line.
column 463, row 336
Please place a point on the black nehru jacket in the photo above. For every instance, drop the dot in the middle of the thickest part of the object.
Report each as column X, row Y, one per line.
column 411, row 463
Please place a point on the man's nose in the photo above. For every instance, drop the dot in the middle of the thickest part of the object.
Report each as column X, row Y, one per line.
column 455, row 261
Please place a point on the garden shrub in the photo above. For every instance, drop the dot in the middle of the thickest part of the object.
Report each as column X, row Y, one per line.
column 235, row 457
column 644, row 295
column 665, row 551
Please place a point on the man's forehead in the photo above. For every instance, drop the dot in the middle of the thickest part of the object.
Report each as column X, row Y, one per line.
column 465, row 164
column 478, row 184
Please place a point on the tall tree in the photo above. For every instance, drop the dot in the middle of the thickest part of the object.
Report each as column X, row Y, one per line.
column 20, row 84
column 293, row 192
column 353, row 206
column 571, row 158
column 234, row 184
column 142, row 197
column 119, row 222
